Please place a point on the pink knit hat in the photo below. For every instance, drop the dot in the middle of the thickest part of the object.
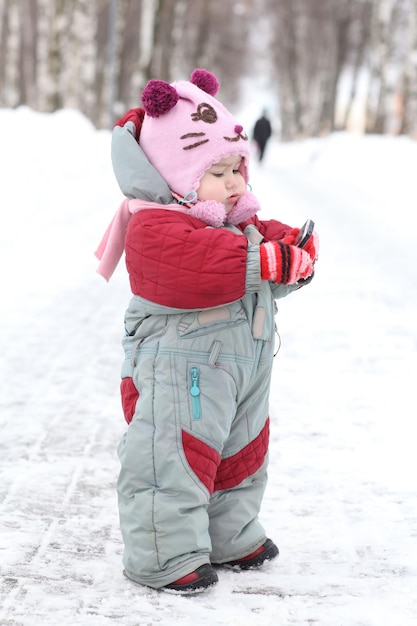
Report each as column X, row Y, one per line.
column 185, row 130
column 182, row 130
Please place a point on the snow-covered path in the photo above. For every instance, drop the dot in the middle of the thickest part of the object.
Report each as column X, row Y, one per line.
column 341, row 501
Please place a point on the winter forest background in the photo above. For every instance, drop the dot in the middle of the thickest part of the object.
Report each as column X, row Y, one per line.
column 326, row 64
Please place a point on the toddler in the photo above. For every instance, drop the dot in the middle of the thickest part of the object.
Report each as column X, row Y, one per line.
column 204, row 271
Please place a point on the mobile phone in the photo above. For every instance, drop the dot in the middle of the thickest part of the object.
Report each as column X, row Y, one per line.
column 305, row 234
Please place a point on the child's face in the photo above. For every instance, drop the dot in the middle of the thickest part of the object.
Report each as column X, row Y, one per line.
column 223, row 182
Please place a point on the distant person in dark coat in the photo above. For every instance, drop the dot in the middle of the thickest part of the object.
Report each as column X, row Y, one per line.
column 261, row 134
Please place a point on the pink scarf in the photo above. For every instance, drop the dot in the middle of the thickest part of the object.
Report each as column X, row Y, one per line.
column 111, row 246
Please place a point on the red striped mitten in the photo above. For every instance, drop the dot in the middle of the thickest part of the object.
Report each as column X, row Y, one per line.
column 312, row 245
column 283, row 263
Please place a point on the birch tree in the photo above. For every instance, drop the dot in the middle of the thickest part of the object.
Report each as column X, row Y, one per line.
column 360, row 37
column 28, row 51
column 381, row 55
column 9, row 48
column 407, row 103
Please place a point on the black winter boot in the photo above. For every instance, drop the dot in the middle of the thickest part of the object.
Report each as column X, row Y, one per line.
column 203, row 577
column 266, row 552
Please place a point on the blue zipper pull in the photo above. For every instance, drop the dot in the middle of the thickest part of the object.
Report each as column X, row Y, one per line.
column 195, row 392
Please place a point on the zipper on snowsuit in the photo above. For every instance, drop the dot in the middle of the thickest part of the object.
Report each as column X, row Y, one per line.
column 195, row 392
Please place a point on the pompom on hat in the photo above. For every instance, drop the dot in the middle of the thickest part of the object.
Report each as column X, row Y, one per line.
column 185, row 130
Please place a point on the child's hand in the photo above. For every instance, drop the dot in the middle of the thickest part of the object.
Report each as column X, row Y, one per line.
column 312, row 245
column 284, row 263
column 291, row 236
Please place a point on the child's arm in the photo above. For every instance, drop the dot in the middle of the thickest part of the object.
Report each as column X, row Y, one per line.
column 176, row 260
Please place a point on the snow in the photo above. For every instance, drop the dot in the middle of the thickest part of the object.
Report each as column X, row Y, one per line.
column 341, row 502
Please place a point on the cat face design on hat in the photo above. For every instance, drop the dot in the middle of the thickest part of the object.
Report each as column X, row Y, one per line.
column 186, row 130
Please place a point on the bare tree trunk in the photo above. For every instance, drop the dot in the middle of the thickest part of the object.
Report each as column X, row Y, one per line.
column 408, row 104
column 127, row 86
column 101, row 38
column 214, row 34
column 10, row 62
column 55, row 60
column 358, row 52
column 382, row 48
column 77, row 69
column 4, row 41
column 333, row 56
column 342, row 25
column 28, row 53
column 162, row 41
column 197, row 20
column 292, row 123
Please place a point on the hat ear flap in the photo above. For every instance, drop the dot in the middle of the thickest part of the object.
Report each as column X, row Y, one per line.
column 206, row 81
column 159, row 97
column 209, row 211
column 245, row 208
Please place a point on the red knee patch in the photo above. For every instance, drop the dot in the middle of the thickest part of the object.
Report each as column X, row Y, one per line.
column 233, row 470
column 130, row 396
column 202, row 459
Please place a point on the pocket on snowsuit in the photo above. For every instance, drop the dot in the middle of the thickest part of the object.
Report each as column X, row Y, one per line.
column 129, row 396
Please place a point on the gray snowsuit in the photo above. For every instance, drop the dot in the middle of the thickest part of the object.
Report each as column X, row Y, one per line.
column 195, row 454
